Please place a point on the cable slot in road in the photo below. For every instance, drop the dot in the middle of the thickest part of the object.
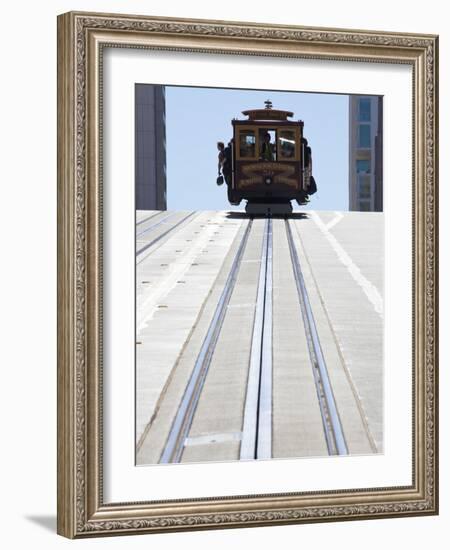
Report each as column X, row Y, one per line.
column 181, row 425
column 257, row 423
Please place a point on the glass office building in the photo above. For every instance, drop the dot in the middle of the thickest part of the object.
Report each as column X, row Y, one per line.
column 150, row 147
column 366, row 153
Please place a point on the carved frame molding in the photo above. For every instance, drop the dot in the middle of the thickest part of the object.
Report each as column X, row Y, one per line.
column 81, row 39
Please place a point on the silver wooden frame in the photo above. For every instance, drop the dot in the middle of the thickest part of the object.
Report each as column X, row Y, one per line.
column 81, row 39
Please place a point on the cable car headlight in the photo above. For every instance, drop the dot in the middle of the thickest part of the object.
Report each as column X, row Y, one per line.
column 268, row 180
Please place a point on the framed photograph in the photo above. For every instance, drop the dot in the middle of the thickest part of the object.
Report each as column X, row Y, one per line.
column 247, row 274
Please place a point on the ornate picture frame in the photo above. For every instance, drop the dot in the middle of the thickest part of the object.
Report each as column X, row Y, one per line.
column 82, row 38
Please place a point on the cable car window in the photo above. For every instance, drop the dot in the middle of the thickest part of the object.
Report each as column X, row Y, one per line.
column 287, row 144
column 247, row 144
column 267, row 145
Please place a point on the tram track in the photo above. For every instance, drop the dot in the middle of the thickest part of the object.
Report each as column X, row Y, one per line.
column 333, row 430
column 150, row 244
column 150, row 217
column 181, row 425
column 153, row 226
column 256, row 436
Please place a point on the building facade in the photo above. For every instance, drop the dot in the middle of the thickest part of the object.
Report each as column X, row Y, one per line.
column 366, row 153
column 150, row 147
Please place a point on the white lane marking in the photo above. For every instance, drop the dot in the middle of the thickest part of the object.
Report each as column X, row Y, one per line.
column 368, row 288
column 212, row 438
column 338, row 217
column 176, row 272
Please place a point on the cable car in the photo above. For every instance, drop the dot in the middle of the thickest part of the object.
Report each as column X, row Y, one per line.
column 271, row 162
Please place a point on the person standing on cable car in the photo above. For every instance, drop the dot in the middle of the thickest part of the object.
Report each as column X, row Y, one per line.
column 220, row 157
column 267, row 148
column 227, row 163
column 220, row 161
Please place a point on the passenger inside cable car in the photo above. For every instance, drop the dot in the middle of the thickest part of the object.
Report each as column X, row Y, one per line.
column 268, row 149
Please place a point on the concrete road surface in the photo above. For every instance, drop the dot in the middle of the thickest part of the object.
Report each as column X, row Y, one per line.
column 183, row 260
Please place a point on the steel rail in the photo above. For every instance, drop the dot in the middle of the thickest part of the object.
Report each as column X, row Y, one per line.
column 140, row 222
column 155, row 225
column 257, row 424
column 162, row 235
column 181, row 425
column 334, row 433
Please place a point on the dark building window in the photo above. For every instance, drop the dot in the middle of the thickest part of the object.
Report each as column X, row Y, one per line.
column 365, row 206
column 364, row 187
column 363, row 166
column 364, row 110
column 364, row 136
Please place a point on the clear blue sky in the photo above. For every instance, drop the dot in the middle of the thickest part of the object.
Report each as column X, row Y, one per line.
column 196, row 118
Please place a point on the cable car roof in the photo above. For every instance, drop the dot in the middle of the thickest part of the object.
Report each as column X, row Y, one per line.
column 267, row 113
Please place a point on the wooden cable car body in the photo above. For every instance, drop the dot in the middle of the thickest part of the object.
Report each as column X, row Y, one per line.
column 267, row 171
